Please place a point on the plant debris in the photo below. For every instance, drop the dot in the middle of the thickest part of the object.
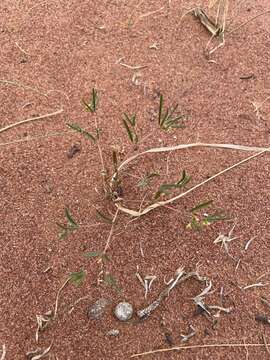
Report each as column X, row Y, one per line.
column 73, row 150
column 206, row 22
column 190, row 334
column 225, row 240
column 38, row 353
column 146, row 282
column 4, row 351
column 263, row 318
column 42, row 322
column 180, row 276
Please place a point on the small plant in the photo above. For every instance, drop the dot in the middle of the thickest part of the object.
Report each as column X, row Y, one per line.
column 199, row 220
column 69, row 227
column 106, row 277
column 167, row 119
column 165, row 189
column 92, row 104
column 129, row 122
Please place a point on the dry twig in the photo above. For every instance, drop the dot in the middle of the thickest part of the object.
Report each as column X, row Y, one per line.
column 204, row 346
column 4, row 351
column 30, row 120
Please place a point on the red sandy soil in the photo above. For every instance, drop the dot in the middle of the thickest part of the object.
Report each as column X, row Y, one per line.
column 52, row 54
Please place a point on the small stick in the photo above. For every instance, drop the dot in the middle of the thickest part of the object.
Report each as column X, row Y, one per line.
column 245, row 23
column 20, row 48
column 29, row 120
column 265, row 343
column 151, row 12
column 103, row 169
column 135, row 67
column 111, row 232
column 254, row 285
column 265, row 301
column 204, row 346
column 4, row 351
column 26, row 87
column 57, row 297
column 248, row 243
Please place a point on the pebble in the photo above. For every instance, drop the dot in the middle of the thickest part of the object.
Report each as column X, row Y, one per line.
column 123, row 311
column 113, row 332
column 97, row 309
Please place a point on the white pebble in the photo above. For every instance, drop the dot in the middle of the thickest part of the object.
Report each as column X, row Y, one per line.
column 123, row 311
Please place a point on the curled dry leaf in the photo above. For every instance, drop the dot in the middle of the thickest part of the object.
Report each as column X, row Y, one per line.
column 38, row 353
column 42, row 322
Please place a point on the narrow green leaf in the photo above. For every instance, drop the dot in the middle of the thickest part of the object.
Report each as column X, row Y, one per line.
column 77, row 277
column 184, row 179
column 115, row 161
column 95, row 254
column 130, row 119
column 77, row 128
column 209, row 219
column 160, row 110
column 94, row 99
column 92, row 105
column 129, row 132
column 201, row 205
column 105, row 218
column 70, row 219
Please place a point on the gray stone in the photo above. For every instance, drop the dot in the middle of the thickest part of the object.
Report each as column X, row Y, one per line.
column 113, row 332
column 123, row 311
column 97, row 309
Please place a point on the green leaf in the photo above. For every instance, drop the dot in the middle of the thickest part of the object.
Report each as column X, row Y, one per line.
column 209, row 219
column 77, row 277
column 105, row 218
column 77, row 128
column 167, row 120
column 130, row 119
column 164, row 188
column 184, row 180
column 94, row 99
column 64, row 231
column 201, row 205
column 115, row 161
column 131, row 134
column 92, row 105
column 70, row 219
column 160, row 110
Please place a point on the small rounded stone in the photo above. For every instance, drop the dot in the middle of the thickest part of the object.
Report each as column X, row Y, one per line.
column 123, row 311
column 113, row 332
column 97, row 309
